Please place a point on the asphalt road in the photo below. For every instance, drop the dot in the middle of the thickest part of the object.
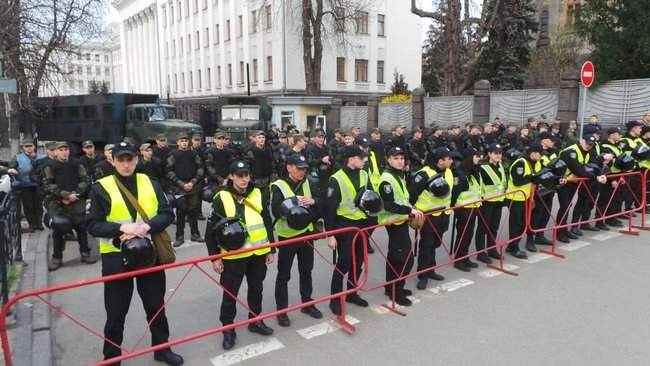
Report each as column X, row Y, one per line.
column 590, row 308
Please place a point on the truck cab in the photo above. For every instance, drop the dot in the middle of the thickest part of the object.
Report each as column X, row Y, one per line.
column 146, row 120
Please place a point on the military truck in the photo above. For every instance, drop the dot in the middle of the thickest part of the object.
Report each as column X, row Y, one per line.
column 109, row 118
column 239, row 115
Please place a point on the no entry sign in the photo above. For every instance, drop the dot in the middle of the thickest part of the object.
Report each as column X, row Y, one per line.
column 587, row 74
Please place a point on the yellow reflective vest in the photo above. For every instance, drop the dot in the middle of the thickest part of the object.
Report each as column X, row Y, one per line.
column 401, row 197
column 281, row 226
column 500, row 185
column 527, row 188
column 119, row 212
column 374, row 170
column 252, row 220
column 427, row 201
column 472, row 194
column 347, row 207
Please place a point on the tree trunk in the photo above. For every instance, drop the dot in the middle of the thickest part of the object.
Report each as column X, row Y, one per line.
column 453, row 33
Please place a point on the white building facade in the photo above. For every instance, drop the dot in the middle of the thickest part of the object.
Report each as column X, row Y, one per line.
column 91, row 63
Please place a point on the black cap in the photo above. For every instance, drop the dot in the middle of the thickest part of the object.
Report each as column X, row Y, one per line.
column 51, row 145
column 123, row 148
column 590, row 129
column 60, row 144
column 239, row 166
column 613, row 130
column 298, row 160
column 631, row 124
column 440, row 153
column 363, row 141
column 535, row 147
column 350, row 151
column 469, row 152
column 182, row 135
column 395, row 151
column 590, row 139
column 495, row 148
column 87, row 143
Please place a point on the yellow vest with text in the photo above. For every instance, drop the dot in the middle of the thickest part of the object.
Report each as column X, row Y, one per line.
column 119, row 212
column 500, row 183
column 347, row 208
column 645, row 164
column 427, row 201
column 582, row 159
column 617, row 152
column 281, row 226
column 527, row 188
column 253, row 222
column 401, row 197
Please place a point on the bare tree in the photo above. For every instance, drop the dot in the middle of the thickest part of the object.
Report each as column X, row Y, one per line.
column 35, row 33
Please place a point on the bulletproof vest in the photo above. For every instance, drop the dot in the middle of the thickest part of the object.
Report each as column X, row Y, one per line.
column 184, row 164
column 66, row 174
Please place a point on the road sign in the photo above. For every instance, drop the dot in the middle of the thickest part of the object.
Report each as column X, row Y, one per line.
column 587, row 74
column 8, row 86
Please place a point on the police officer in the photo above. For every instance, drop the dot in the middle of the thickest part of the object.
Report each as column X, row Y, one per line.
column 467, row 198
column 627, row 144
column 161, row 149
column 438, row 161
column 66, row 183
column 240, row 199
column 260, row 157
column 105, row 167
column 397, row 138
column 294, row 185
column 520, row 188
column 90, row 158
column 543, row 196
column 495, row 184
column 185, row 173
column 341, row 211
column 576, row 157
column 23, row 164
column 114, row 220
column 417, row 150
column 320, row 160
column 149, row 164
column 395, row 216
column 200, row 148
column 217, row 160
column 609, row 201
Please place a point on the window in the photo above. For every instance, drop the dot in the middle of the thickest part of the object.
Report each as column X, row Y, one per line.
column 164, row 16
column 97, row 57
column 189, row 43
column 88, row 57
column 267, row 16
column 253, row 28
column 209, row 78
column 340, row 69
column 206, row 37
column 216, row 34
column 108, row 85
column 361, row 70
column 205, row 4
column 197, row 40
column 190, row 78
column 380, row 72
column 107, row 71
column 81, row 84
column 182, row 81
column 240, row 26
column 106, row 59
column 173, row 48
column 218, row 76
column 198, row 78
column 166, row 49
column 171, row 13
column 175, row 83
column 180, row 47
column 269, row 68
column 180, row 15
column 339, row 19
column 240, row 80
column 227, row 35
column 362, row 22
column 187, row 8
column 255, row 71
column 381, row 25
column 229, row 75
column 80, row 70
column 89, row 70
column 196, row 6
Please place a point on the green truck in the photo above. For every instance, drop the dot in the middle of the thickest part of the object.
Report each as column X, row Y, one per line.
column 109, row 118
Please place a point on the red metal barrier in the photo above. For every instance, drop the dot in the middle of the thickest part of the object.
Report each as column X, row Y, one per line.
column 399, row 272
column 623, row 186
column 644, row 212
column 40, row 294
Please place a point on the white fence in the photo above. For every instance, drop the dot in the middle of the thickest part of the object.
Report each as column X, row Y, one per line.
column 446, row 111
column 618, row 101
column 395, row 114
column 354, row 116
column 515, row 106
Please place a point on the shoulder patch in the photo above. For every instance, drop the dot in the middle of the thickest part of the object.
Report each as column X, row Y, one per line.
column 388, row 189
column 418, row 178
column 520, row 170
column 573, row 155
column 330, row 192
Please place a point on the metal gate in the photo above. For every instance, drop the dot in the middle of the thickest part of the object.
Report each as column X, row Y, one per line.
column 447, row 111
column 618, row 101
column 516, row 106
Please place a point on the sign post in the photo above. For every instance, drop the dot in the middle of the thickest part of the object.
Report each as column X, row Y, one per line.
column 587, row 78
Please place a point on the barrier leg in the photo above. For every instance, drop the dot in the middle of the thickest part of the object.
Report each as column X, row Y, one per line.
column 342, row 320
column 629, row 230
column 553, row 252
column 393, row 305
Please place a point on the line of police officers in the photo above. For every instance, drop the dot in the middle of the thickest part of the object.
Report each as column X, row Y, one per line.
column 346, row 184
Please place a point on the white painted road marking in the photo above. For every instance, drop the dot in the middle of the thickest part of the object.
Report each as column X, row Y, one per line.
column 324, row 328
column 537, row 257
column 378, row 309
column 247, row 352
column 606, row 236
column 489, row 273
column 450, row 286
column 574, row 245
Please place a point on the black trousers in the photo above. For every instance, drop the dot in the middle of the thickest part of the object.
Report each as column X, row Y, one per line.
column 430, row 239
column 344, row 262
column 516, row 221
column 76, row 213
column 465, row 223
column 542, row 210
column 187, row 210
column 488, row 226
column 305, row 253
column 565, row 194
column 117, row 300
column 630, row 199
column 587, row 199
column 400, row 255
column 32, row 206
column 609, row 202
column 234, row 270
